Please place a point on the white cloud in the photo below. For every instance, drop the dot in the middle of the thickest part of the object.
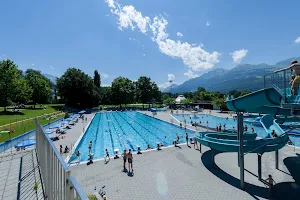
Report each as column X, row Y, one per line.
column 194, row 56
column 171, row 77
column 207, row 23
column 238, row 55
column 144, row 54
column 51, row 67
column 190, row 74
column 104, row 75
column 179, row 34
column 32, row 64
column 297, row 40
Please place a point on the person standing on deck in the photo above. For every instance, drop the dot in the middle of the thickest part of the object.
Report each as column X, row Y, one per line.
column 130, row 158
column 295, row 67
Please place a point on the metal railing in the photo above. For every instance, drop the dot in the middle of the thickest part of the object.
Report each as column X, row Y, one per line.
column 280, row 79
column 57, row 179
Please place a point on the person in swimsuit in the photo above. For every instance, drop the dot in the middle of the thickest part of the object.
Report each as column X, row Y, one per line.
column 246, row 128
column 124, row 155
column 271, row 182
column 187, row 139
column 195, row 143
column 78, row 155
column 274, row 133
column 177, row 136
column 233, row 129
column 90, row 147
column 129, row 157
column 148, row 147
column 107, row 155
column 295, row 67
column 252, row 130
column 60, row 149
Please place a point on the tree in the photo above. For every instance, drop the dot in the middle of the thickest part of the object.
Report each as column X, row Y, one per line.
column 77, row 89
column 220, row 102
column 186, row 101
column 11, row 83
column 97, row 80
column 146, row 90
column 23, row 92
column 122, row 91
column 40, row 86
column 106, row 96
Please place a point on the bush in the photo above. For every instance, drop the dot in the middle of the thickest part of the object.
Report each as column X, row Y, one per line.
column 67, row 115
column 92, row 197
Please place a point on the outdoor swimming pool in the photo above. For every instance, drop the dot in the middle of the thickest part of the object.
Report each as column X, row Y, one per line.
column 120, row 130
column 214, row 121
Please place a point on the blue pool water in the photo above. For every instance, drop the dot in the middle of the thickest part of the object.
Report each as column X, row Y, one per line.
column 214, row 121
column 120, row 130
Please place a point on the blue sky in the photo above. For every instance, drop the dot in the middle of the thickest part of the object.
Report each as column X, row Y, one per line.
column 160, row 39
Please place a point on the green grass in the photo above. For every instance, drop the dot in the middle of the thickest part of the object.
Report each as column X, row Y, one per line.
column 10, row 117
column 24, row 127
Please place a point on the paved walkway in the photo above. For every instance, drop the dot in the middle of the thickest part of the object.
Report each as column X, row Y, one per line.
column 184, row 173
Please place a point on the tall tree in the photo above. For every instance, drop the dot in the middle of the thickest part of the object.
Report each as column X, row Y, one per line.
column 40, row 86
column 122, row 91
column 11, row 83
column 147, row 91
column 97, row 80
column 78, row 89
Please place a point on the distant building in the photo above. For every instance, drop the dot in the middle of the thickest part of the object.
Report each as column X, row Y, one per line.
column 179, row 99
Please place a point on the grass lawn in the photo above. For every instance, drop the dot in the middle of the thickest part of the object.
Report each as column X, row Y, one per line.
column 10, row 117
column 21, row 128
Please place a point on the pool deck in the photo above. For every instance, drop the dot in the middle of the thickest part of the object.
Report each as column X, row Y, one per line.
column 183, row 173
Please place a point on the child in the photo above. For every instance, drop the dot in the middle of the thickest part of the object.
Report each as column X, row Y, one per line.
column 107, row 155
column 271, row 182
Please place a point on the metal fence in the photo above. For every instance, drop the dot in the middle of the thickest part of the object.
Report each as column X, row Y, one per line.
column 279, row 79
column 58, row 182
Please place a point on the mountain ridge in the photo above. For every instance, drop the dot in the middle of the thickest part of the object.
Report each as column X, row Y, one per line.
column 248, row 76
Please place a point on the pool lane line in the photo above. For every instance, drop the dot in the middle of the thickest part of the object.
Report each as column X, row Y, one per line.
column 123, row 132
column 135, row 129
column 121, row 142
column 80, row 137
column 142, row 127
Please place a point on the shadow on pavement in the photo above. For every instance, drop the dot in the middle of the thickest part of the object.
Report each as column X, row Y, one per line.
column 251, row 189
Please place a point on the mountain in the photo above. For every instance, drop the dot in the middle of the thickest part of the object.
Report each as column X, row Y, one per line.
column 242, row 77
column 51, row 77
column 169, row 89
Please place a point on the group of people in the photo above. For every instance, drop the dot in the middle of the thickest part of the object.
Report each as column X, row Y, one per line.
column 66, row 150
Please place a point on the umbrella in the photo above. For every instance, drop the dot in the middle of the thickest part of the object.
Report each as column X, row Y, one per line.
column 81, row 112
column 48, row 131
column 55, row 126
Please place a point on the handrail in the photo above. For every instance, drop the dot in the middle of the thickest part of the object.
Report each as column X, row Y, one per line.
column 81, row 194
column 283, row 69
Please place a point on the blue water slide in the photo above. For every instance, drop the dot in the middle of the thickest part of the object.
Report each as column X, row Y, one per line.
column 267, row 101
column 230, row 143
column 270, row 124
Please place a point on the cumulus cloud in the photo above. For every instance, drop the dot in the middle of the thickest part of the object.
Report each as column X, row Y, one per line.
column 104, row 75
column 194, row 56
column 179, row 34
column 51, row 67
column 190, row 74
column 171, row 77
column 207, row 23
column 238, row 55
column 297, row 41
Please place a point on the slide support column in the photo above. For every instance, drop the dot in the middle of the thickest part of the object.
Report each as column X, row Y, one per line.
column 213, row 157
column 241, row 149
column 276, row 159
column 259, row 165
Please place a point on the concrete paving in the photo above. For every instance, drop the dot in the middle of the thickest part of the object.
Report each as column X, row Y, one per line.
column 184, row 173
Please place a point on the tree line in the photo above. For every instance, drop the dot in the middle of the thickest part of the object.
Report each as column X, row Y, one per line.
column 18, row 87
column 218, row 99
column 77, row 89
